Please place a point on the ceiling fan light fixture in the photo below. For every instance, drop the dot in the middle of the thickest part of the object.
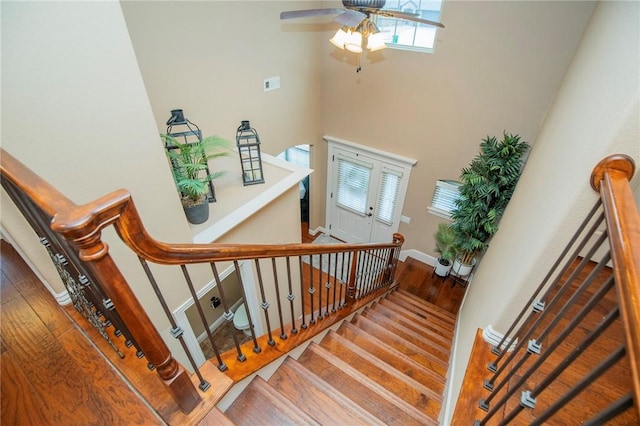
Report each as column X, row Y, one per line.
column 354, row 42
column 375, row 42
column 340, row 38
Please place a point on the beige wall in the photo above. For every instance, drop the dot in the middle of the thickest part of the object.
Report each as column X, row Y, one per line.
column 210, row 59
column 596, row 113
column 497, row 66
column 75, row 110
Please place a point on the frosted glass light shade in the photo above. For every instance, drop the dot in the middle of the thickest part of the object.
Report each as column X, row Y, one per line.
column 376, row 42
column 339, row 38
column 354, row 42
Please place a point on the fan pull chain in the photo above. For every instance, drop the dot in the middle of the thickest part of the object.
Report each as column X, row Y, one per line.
column 359, row 68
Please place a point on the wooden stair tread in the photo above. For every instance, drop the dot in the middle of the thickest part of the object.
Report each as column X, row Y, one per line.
column 415, row 313
column 419, row 303
column 260, row 403
column 412, row 391
column 420, row 326
column 316, row 397
column 392, row 357
column 411, row 350
column 215, row 417
column 363, row 391
column 428, row 345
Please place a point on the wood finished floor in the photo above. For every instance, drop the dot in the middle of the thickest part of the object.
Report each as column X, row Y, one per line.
column 51, row 375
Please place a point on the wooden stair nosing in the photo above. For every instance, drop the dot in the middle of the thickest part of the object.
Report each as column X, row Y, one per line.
column 424, row 305
column 337, row 344
column 417, row 353
column 415, row 313
column 370, row 384
column 408, row 335
column 316, row 397
column 392, row 356
column 443, row 337
column 274, row 407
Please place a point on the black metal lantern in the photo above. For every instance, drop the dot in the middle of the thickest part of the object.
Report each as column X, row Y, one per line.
column 191, row 133
column 249, row 149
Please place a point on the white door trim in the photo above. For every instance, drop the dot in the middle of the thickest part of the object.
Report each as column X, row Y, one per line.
column 380, row 157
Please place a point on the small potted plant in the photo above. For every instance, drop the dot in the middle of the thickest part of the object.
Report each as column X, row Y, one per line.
column 189, row 166
column 444, row 237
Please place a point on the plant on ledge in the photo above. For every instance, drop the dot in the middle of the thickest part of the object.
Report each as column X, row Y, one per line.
column 189, row 166
column 487, row 186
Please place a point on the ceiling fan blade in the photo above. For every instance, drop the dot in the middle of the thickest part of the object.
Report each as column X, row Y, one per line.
column 294, row 14
column 350, row 18
column 408, row 17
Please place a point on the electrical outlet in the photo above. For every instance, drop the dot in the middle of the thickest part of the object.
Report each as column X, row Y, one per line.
column 271, row 83
column 405, row 219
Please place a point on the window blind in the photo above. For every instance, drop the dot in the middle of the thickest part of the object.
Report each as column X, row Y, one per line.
column 353, row 185
column 388, row 196
column 444, row 198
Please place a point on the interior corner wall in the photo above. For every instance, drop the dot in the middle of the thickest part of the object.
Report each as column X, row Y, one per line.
column 75, row 111
column 596, row 113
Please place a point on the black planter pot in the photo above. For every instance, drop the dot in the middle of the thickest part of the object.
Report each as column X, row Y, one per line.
column 198, row 213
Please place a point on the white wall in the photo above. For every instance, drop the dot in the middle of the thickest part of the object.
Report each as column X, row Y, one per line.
column 596, row 113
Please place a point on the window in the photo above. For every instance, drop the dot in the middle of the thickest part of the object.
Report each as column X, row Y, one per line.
column 388, row 196
column 444, row 198
column 298, row 155
column 353, row 185
column 409, row 35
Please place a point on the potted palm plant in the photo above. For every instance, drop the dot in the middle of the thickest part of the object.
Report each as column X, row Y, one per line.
column 487, row 186
column 189, row 166
column 444, row 237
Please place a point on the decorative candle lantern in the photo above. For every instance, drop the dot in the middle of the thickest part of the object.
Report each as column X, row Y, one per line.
column 249, row 149
column 191, row 133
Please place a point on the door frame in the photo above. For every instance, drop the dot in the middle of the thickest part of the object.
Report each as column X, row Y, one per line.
column 400, row 161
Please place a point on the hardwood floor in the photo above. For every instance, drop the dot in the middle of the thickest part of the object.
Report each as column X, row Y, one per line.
column 50, row 373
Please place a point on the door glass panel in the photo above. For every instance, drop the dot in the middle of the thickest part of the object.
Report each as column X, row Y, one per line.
column 388, row 196
column 353, row 185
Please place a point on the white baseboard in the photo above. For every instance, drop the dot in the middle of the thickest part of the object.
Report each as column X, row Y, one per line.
column 418, row 255
column 319, row 229
column 494, row 338
column 63, row 297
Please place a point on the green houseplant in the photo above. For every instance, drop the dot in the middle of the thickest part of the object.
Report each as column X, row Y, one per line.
column 445, row 238
column 487, row 186
column 189, row 162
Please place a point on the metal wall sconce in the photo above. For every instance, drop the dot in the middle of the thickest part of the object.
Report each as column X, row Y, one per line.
column 190, row 132
column 248, row 143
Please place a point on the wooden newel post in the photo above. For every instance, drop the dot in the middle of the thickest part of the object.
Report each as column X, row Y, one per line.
column 95, row 253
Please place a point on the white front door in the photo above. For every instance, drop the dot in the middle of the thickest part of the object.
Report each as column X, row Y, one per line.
column 365, row 195
column 351, row 197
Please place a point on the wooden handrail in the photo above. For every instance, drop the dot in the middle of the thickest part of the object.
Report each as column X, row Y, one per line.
column 611, row 179
column 83, row 224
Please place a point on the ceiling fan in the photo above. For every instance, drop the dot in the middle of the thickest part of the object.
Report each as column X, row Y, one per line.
column 355, row 21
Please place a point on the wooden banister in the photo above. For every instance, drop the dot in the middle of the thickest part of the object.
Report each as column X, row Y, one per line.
column 82, row 225
column 611, row 179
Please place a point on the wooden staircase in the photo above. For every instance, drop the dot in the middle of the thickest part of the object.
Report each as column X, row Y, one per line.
column 386, row 366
